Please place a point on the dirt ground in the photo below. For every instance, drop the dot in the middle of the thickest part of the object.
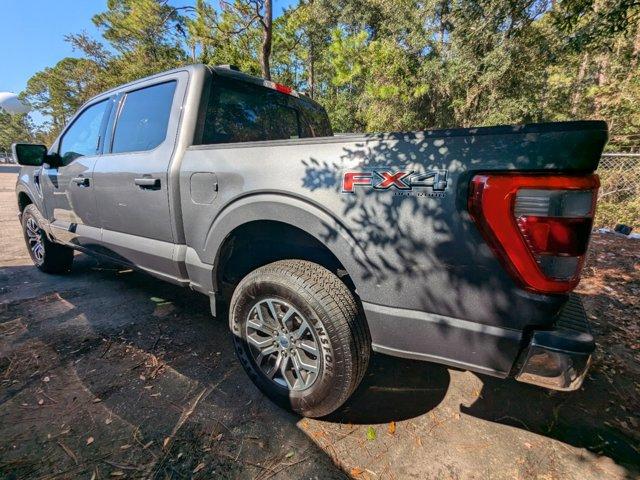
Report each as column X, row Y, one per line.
column 109, row 373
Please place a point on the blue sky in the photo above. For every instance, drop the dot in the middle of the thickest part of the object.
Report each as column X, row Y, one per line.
column 33, row 34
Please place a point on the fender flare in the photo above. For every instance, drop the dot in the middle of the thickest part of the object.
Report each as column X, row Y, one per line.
column 295, row 212
column 36, row 200
column 25, row 185
column 22, row 188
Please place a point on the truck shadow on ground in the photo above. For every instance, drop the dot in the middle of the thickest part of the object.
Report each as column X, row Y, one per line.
column 581, row 418
column 394, row 389
column 123, row 335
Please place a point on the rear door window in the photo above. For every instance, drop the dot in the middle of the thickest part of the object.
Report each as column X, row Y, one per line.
column 243, row 112
column 143, row 119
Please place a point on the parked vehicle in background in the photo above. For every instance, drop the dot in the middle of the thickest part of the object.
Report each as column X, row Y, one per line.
column 455, row 246
column 6, row 157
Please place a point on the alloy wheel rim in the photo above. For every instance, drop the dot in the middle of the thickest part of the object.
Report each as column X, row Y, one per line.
column 34, row 237
column 283, row 344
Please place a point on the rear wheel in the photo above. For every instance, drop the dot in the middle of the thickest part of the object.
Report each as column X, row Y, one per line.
column 300, row 336
column 47, row 256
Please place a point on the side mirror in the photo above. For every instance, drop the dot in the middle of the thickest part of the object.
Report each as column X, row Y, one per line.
column 29, row 154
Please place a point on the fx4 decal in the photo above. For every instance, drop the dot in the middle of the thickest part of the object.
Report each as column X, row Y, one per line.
column 403, row 181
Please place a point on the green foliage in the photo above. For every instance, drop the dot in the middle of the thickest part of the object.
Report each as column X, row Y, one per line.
column 596, row 22
column 225, row 38
column 14, row 128
column 147, row 35
column 380, row 65
column 610, row 213
column 59, row 91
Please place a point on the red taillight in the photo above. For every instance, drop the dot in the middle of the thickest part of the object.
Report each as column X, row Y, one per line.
column 538, row 225
column 556, row 236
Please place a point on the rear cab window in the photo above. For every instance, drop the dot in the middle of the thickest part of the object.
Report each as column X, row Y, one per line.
column 240, row 111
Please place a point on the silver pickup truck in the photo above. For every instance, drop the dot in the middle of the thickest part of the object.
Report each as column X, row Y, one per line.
column 455, row 246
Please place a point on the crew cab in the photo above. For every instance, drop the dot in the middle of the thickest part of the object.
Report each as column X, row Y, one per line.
column 455, row 246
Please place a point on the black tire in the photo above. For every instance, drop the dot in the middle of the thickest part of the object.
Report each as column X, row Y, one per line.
column 331, row 311
column 52, row 257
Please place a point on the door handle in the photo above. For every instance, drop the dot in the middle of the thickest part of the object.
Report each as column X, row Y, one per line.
column 81, row 181
column 148, row 183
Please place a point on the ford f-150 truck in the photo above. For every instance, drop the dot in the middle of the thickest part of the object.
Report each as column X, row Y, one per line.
column 457, row 246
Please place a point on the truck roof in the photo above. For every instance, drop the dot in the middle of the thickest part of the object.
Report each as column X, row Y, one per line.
column 221, row 70
column 196, row 68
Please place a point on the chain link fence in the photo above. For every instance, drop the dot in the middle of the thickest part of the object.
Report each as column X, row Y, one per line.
column 619, row 197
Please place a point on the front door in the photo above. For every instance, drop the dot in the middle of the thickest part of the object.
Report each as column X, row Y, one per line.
column 131, row 178
column 70, row 205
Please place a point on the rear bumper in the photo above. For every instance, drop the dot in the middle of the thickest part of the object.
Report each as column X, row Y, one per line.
column 556, row 358
column 437, row 338
column 559, row 359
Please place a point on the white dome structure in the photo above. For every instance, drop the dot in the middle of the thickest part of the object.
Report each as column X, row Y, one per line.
column 10, row 103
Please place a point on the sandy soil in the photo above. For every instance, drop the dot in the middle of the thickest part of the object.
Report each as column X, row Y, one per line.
column 109, row 373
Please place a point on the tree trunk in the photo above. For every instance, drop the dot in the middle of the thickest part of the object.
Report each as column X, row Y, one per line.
column 575, row 97
column 312, row 59
column 443, row 8
column 602, row 79
column 635, row 54
column 267, row 23
column 312, row 73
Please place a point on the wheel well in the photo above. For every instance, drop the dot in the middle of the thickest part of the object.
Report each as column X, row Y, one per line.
column 258, row 243
column 23, row 201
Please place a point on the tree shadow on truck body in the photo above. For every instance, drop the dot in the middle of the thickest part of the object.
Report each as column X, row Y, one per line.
column 417, row 249
column 428, row 249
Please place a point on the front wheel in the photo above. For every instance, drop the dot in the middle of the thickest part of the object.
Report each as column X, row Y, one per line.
column 300, row 335
column 47, row 256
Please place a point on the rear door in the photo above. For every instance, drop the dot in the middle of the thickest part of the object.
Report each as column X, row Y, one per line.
column 131, row 177
column 70, row 204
